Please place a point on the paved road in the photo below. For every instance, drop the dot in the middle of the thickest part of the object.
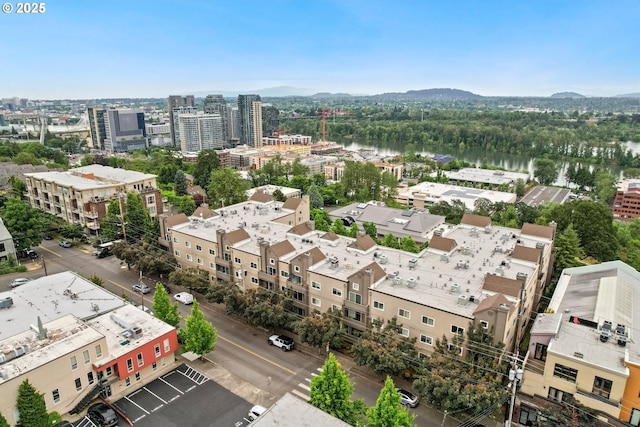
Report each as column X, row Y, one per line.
column 242, row 361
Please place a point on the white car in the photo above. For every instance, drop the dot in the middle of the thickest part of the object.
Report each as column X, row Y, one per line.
column 184, row 297
column 19, row 281
column 255, row 412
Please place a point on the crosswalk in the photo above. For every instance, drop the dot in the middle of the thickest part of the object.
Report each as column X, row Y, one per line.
column 303, row 389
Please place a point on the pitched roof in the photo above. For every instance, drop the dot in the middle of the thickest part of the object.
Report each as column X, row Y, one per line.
column 238, row 235
column 503, row 285
column 475, row 220
column 176, row 219
column 282, row 248
column 442, row 243
column 330, row 235
column 493, row 301
column 378, row 272
column 545, row 231
column 316, row 255
column 363, row 243
column 302, row 229
column 261, row 197
column 527, row 254
column 292, row 203
column 204, row 212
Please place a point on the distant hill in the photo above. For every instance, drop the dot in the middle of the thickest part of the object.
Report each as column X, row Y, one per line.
column 629, row 95
column 274, row 92
column 567, row 95
column 439, row 94
column 322, row 95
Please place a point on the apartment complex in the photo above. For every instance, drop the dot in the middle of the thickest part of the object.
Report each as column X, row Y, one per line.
column 87, row 343
column 215, row 104
column 250, row 118
column 124, row 130
column 7, row 248
column 178, row 101
column 473, row 272
column 81, row 195
column 97, row 127
column 626, row 204
column 584, row 345
column 199, row 132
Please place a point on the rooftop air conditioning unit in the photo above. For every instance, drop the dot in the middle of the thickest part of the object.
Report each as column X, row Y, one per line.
column 462, row 300
column 397, row 281
column 455, row 288
column 411, row 282
column 383, row 259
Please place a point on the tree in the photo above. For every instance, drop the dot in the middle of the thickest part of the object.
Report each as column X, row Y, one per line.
column 18, row 188
column 3, row 421
column 605, row 186
column 226, row 187
column 23, row 222
column 135, row 217
column 321, row 219
column 207, row 162
column 94, row 278
column 111, row 225
column 279, row 195
column 186, row 205
column 167, row 173
column 390, row 241
column 545, row 171
column 338, row 227
column 388, row 410
column 315, row 197
column 72, row 231
column 163, row 308
column 190, row 278
column 331, row 391
column 371, row 229
column 407, row 244
column 31, row 406
column 383, row 349
column 568, row 249
column 268, row 309
column 520, row 187
column 388, row 187
column 200, row 335
column 180, row 183
column 320, row 330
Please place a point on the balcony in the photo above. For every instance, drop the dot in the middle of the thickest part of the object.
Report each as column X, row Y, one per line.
column 93, row 225
column 271, row 278
column 91, row 215
column 597, row 398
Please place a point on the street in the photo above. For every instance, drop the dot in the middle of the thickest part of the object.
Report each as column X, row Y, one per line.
column 241, row 349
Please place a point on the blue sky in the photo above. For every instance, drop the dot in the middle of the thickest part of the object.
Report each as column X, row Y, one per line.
column 137, row 48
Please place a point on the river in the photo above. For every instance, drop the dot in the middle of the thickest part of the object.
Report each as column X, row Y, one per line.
column 511, row 162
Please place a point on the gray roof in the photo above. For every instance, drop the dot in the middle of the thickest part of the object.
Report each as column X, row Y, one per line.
column 290, row 410
column 4, row 233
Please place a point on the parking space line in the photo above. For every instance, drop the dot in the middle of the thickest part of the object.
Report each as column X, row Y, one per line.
column 171, row 385
column 127, row 397
column 152, row 393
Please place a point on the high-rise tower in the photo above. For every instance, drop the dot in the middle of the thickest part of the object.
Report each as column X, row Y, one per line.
column 178, row 101
column 250, row 115
column 215, row 104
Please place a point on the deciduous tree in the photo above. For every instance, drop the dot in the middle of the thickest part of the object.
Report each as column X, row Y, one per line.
column 320, row 330
column 199, row 334
column 23, row 222
column 388, row 410
column 226, row 187
column 207, row 162
column 163, row 308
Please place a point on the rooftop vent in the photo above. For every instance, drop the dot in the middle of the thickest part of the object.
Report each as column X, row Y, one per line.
column 462, row 300
column 412, row 263
column 444, row 258
column 383, row 259
column 411, row 282
column 455, row 288
column 397, row 281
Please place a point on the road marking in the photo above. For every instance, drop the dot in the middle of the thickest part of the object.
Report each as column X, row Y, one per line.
column 126, row 397
column 171, row 385
column 257, row 355
column 304, row 386
column 159, row 398
column 301, row 395
column 50, row 251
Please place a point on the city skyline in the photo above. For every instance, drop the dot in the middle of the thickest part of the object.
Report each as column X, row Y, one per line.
column 85, row 50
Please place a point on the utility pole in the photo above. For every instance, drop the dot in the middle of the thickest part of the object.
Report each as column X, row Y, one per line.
column 444, row 418
column 124, row 231
column 44, row 265
column 515, row 375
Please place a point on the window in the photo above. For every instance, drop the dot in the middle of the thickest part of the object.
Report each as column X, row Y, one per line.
column 176, row 253
column 426, row 340
column 557, row 395
column 565, row 372
column 56, row 395
column 137, row 376
column 237, row 260
column 337, row 292
column 455, row 348
column 189, row 257
column 226, row 257
column 212, row 265
column 284, row 273
column 78, row 384
column 315, row 285
column 212, row 252
column 272, row 261
column 404, row 313
column 357, row 298
column 484, row 324
column 528, row 416
column 157, row 349
column 355, row 315
column 316, row 301
column 140, row 359
column 404, row 332
column 254, row 265
column 336, row 307
column 129, row 365
column 90, row 378
column 355, row 286
column 154, row 366
column 85, row 355
column 163, row 361
column 127, row 382
column 457, row 330
column 109, row 371
column 541, row 352
column 166, row 346
column 175, row 240
column 254, row 280
column 226, row 248
column 74, row 363
column 378, row 305
column 198, row 248
column 602, row 387
column 296, row 268
column 429, row 321
column 187, row 244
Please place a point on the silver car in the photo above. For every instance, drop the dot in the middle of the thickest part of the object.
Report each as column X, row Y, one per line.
column 141, row 288
column 19, row 281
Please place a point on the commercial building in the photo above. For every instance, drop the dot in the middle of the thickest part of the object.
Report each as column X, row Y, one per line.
column 584, row 346
column 81, row 195
column 7, row 248
column 177, row 101
column 124, row 130
column 626, row 204
column 485, row 178
column 250, row 117
column 472, row 272
column 270, row 120
column 426, row 194
column 85, row 342
column 290, row 410
column 215, row 104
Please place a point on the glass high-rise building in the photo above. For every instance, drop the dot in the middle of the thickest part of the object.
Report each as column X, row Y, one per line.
column 215, row 104
column 250, row 115
column 173, row 102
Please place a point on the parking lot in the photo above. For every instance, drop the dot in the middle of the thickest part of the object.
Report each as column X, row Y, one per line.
column 182, row 397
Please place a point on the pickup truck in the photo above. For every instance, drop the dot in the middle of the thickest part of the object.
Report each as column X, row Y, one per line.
column 285, row 343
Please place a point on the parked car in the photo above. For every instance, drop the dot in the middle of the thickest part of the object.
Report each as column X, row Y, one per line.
column 63, row 423
column 102, row 415
column 255, row 412
column 145, row 309
column 167, row 289
column 284, row 342
column 48, row 237
column 184, row 297
column 141, row 288
column 19, row 281
column 65, row 244
column 29, row 253
column 407, row 398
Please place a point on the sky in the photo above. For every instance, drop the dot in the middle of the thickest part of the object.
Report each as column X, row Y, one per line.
column 86, row 49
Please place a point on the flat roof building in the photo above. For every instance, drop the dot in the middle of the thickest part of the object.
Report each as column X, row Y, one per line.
column 424, row 194
column 626, row 204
